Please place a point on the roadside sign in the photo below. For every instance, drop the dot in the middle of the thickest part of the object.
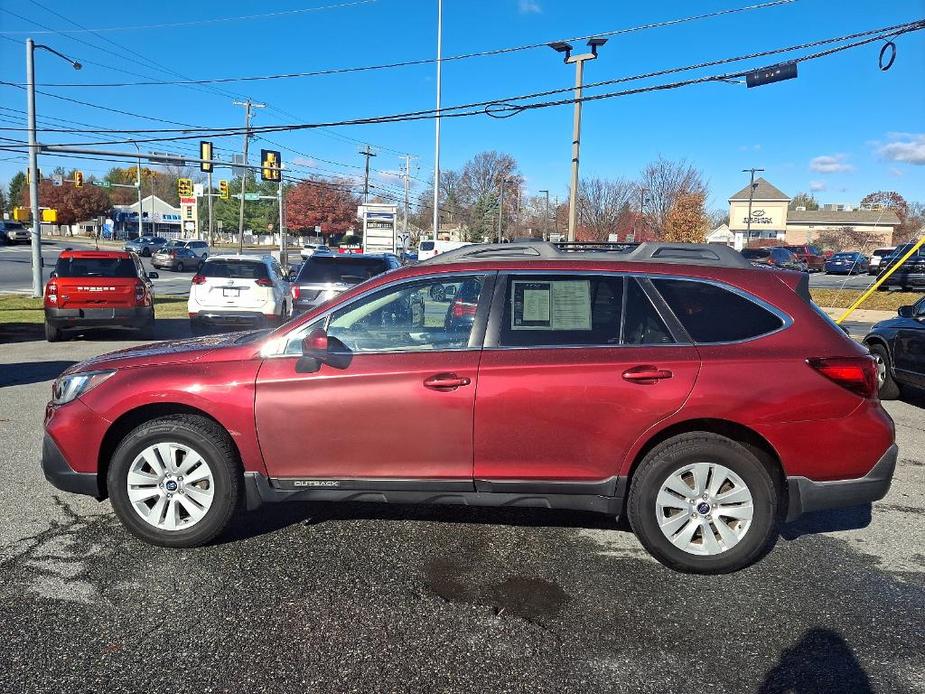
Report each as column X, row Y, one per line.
column 187, row 200
column 247, row 196
column 197, row 190
column 57, row 180
column 237, row 170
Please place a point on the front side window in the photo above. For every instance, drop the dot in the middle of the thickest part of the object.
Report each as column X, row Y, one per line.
column 435, row 314
column 711, row 313
column 576, row 310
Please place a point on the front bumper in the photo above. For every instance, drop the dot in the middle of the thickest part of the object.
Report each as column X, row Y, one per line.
column 60, row 474
column 807, row 495
column 135, row 317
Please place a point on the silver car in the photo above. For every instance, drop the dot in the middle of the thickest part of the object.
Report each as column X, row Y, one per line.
column 14, row 232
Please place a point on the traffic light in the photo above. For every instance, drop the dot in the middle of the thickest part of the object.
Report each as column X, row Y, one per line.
column 223, row 193
column 270, row 164
column 205, row 152
column 78, row 179
column 29, row 175
column 185, row 187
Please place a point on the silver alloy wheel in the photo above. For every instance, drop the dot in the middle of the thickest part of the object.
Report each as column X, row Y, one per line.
column 704, row 508
column 881, row 368
column 170, row 486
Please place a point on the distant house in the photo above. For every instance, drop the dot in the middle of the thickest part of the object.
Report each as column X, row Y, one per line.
column 770, row 219
column 157, row 218
column 722, row 234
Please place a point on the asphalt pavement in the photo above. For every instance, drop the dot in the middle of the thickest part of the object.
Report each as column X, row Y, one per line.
column 314, row 597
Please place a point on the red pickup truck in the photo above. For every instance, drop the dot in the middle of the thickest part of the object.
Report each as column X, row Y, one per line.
column 811, row 255
column 98, row 289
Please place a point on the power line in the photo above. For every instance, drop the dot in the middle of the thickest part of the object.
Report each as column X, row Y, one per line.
column 428, row 61
column 502, row 105
column 200, row 22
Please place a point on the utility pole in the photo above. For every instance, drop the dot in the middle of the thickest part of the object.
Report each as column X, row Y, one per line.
column 579, row 60
column 546, row 217
column 283, row 241
column 501, row 209
column 37, row 283
column 437, row 119
column 366, row 152
column 751, row 193
column 248, row 105
column 406, row 174
column 209, row 203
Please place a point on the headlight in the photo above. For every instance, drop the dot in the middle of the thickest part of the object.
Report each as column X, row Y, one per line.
column 72, row 386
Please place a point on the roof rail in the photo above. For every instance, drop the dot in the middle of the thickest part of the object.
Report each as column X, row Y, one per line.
column 716, row 255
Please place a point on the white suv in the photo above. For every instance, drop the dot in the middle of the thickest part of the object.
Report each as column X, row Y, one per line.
column 239, row 290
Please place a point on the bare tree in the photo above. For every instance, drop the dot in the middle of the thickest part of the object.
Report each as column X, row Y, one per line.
column 717, row 218
column 664, row 180
column 481, row 183
column 601, row 204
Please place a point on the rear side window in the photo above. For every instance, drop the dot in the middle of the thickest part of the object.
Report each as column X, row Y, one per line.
column 95, row 267
column 339, row 270
column 235, row 269
column 558, row 310
column 713, row 314
column 755, row 253
column 427, row 245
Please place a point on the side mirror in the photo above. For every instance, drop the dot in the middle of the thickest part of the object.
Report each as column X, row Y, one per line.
column 153, row 275
column 906, row 311
column 315, row 344
column 318, row 349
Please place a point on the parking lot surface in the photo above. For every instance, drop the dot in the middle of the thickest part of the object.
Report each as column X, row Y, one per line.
column 315, row 598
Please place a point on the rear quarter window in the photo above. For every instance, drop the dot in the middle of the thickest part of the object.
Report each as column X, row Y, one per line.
column 711, row 313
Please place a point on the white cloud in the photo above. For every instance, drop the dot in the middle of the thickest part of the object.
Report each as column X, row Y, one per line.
column 528, row 7
column 906, row 147
column 816, row 186
column 826, row 163
column 304, row 161
column 896, row 171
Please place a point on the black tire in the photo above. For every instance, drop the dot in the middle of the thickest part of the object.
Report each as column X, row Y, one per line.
column 146, row 331
column 673, row 454
column 214, row 445
column 197, row 329
column 53, row 334
column 146, row 252
column 180, row 267
column 889, row 388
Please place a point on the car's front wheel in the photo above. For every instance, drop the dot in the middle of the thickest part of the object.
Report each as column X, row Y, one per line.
column 180, row 266
column 175, row 481
column 889, row 388
column 703, row 503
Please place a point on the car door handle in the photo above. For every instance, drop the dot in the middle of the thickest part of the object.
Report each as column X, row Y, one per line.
column 646, row 374
column 446, row 381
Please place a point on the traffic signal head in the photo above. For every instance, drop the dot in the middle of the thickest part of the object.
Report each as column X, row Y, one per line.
column 270, row 164
column 78, row 179
column 205, row 152
column 223, row 190
column 185, row 187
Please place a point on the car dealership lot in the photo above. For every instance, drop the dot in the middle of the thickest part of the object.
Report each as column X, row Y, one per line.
column 354, row 597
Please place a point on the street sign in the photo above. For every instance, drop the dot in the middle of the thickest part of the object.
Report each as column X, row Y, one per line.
column 57, row 180
column 187, row 200
column 197, row 190
column 237, row 170
column 247, row 196
column 104, row 184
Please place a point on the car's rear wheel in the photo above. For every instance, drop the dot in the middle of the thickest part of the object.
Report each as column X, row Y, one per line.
column 702, row 503
column 175, row 481
column 889, row 388
column 53, row 333
column 180, row 266
column 146, row 252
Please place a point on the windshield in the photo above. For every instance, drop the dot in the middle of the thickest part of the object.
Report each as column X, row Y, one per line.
column 13, row 225
column 340, row 270
column 95, row 267
column 755, row 253
column 234, row 269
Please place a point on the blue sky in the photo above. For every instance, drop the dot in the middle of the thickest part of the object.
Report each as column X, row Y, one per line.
column 843, row 128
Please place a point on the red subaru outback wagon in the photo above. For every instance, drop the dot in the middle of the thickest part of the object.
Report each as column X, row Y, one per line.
column 705, row 399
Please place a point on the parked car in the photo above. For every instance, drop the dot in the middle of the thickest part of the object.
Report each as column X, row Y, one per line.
column 310, row 249
column 324, row 276
column 873, row 266
column 98, row 289
column 898, row 346
column 813, row 256
column 774, row 257
column 428, row 248
column 846, row 263
column 145, row 245
column 14, row 232
column 178, row 258
column 239, row 290
column 199, row 248
column 676, row 384
column 911, row 274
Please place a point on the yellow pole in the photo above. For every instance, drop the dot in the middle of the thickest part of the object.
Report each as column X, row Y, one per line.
column 881, row 280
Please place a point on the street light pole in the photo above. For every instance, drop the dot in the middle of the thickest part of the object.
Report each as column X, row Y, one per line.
column 501, row 210
column 579, row 60
column 138, row 185
column 751, row 193
column 437, row 119
column 37, row 284
column 546, row 217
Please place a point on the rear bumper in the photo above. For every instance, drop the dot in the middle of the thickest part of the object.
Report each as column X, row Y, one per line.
column 135, row 317
column 61, row 475
column 208, row 317
column 807, row 495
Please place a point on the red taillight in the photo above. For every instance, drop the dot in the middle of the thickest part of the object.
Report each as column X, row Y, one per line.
column 264, row 282
column 199, row 279
column 857, row 374
column 296, row 291
column 461, row 309
column 51, row 293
